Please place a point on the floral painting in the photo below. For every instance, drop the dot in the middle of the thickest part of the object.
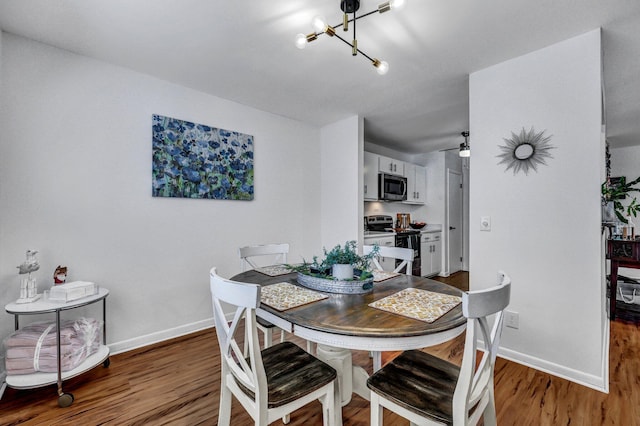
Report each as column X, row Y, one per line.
column 198, row 161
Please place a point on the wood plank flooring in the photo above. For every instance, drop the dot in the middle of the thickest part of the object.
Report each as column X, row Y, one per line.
column 177, row 383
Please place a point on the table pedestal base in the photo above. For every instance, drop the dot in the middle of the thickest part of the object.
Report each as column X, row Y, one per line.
column 351, row 378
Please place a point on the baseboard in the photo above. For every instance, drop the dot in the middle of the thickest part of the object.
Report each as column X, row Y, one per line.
column 588, row 380
column 579, row 377
column 160, row 336
column 606, row 334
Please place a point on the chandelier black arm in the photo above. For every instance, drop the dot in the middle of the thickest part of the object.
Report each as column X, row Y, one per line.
column 359, row 51
column 359, row 17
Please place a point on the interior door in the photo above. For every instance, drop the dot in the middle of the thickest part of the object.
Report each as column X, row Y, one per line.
column 454, row 222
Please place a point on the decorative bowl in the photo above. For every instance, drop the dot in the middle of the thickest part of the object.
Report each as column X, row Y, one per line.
column 354, row 286
column 417, row 225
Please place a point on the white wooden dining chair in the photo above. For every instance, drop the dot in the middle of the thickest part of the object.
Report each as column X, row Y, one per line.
column 255, row 256
column 400, row 253
column 428, row 390
column 270, row 383
column 269, row 254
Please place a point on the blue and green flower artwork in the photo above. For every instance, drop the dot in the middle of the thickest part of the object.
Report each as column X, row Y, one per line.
column 197, row 161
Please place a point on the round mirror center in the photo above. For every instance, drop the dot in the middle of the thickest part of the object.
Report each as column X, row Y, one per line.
column 523, row 151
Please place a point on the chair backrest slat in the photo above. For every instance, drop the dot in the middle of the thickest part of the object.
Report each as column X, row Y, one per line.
column 485, row 302
column 400, row 253
column 277, row 253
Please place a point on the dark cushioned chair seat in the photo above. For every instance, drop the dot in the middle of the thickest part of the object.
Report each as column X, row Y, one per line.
column 419, row 382
column 292, row 373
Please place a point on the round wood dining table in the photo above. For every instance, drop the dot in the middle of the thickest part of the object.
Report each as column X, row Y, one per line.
column 344, row 322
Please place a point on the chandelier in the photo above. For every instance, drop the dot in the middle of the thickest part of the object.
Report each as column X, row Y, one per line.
column 349, row 7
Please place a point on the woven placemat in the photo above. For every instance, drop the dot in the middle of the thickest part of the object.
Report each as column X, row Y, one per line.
column 283, row 296
column 274, row 270
column 422, row 305
column 379, row 275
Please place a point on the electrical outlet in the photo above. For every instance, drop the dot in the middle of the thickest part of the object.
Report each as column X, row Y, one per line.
column 485, row 223
column 511, row 319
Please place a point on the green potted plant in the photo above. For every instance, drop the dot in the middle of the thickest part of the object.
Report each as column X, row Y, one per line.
column 614, row 191
column 328, row 274
column 343, row 261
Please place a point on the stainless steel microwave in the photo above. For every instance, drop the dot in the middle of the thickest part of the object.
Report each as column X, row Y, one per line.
column 392, row 187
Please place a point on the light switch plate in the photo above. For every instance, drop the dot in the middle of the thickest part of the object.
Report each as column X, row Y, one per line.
column 485, row 223
column 511, row 319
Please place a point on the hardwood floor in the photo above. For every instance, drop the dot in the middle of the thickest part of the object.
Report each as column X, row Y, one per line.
column 459, row 280
column 177, row 383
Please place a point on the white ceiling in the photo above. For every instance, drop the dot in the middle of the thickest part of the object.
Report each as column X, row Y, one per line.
column 244, row 51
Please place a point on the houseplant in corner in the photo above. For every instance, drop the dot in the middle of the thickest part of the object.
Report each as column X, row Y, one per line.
column 614, row 191
column 342, row 270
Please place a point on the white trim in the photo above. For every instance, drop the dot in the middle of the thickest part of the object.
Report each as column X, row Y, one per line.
column 579, row 377
column 160, row 336
column 606, row 328
column 447, row 214
column 606, row 335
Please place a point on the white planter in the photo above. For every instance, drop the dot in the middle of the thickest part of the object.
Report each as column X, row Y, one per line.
column 342, row 272
column 608, row 213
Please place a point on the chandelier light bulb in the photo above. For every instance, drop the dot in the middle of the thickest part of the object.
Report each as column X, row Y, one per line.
column 397, row 4
column 381, row 66
column 301, row 41
column 319, row 24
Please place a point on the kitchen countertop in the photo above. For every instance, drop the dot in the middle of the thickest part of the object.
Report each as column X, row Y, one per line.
column 378, row 234
column 427, row 229
column 431, row 228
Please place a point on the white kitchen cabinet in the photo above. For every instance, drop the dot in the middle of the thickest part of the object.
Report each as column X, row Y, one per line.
column 387, row 263
column 430, row 253
column 391, row 166
column 416, row 183
column 371, row 176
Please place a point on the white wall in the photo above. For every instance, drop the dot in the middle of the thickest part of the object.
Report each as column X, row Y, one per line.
column 0, row 65
column 545, row 226
column 75, row 184
column 436, row 190
column 625, row 162
column 466, row 225
column 388, row 152
column 341, row 197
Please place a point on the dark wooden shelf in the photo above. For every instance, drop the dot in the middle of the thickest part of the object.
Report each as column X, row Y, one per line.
column 622, row 254
column 627, row 312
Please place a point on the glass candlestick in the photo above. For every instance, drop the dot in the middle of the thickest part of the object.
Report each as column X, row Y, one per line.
column 24, row 284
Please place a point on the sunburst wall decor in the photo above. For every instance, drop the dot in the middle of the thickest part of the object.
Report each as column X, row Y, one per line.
column 525, row 151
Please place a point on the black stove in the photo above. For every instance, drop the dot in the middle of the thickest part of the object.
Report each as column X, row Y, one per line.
column 379, row 223
column 409, row 231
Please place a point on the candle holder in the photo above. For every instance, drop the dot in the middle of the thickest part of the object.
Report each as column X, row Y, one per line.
column 28, row 288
